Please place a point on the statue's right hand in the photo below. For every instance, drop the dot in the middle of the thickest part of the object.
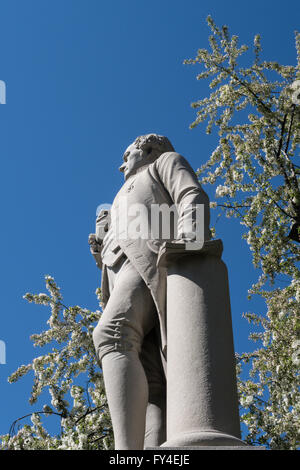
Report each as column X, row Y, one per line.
column 95, row 246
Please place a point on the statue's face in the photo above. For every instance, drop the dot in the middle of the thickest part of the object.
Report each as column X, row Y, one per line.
column 133, row 158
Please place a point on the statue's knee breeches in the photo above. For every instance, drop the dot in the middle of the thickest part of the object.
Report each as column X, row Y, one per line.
column 125, row 322
column 129, row 314
column 116, row 334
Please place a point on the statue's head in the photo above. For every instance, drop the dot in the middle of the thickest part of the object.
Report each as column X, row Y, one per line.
column 143, row 151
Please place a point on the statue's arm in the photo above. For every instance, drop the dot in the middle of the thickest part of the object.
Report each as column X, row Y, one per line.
column 182, row 184
column 96, row 239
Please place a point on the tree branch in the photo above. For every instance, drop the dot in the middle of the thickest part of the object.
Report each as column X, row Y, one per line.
column 290, row 129
column 242, row 83
column 12, row 430
column 90, row 411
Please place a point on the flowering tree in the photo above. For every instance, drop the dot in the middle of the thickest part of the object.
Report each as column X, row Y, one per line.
column 256, row 111
column 85, row 423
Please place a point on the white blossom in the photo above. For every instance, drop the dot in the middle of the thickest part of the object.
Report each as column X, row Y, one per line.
column 85, row 422
column 222, row 191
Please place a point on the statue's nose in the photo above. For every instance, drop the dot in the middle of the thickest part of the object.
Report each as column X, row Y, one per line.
column 122, row 167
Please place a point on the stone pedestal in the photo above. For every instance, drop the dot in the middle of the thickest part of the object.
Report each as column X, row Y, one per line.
column 202, row 404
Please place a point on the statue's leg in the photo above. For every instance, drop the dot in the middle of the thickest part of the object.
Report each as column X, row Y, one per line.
column 127, row 396
column 127, row 318
column 155, row 433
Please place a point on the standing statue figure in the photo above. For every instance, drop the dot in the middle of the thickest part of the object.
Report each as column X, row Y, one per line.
column 131, row 337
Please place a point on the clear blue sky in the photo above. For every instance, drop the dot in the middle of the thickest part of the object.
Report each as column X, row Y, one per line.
column 84, row 78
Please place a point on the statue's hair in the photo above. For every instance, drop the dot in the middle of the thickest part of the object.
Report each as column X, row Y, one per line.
column 154, row 144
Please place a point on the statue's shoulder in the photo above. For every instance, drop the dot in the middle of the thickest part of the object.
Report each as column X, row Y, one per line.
column 168, row 158
column 171, row 160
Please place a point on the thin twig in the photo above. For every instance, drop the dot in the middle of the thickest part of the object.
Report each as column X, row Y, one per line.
column 11, row 430
column 89, row 411
column 290, row 129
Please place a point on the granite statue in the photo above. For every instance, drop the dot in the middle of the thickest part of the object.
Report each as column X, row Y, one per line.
column 164, row 340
